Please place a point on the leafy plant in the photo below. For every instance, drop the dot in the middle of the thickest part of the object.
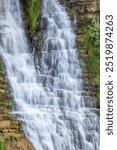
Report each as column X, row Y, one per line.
column 92, row 46
column 2, row 144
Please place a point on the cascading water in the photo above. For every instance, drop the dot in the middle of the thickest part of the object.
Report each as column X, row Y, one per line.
column 54, row 110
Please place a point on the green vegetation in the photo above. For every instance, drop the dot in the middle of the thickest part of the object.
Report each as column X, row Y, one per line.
column 92, row 42
column 5, row 94
column 2, row 144
column 91, row 49
column 33, row 8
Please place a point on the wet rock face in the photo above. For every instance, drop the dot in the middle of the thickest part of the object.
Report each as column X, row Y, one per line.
column 43, row 23
column 1, row 7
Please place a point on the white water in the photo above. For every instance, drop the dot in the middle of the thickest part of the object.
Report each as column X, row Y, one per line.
column 54, row 110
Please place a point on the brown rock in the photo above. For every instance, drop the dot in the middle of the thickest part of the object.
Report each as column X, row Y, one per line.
column 94, row 7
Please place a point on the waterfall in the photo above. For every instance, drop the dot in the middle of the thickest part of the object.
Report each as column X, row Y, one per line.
column 56, row 113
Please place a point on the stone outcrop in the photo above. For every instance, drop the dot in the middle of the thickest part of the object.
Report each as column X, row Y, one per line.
column 12, row 135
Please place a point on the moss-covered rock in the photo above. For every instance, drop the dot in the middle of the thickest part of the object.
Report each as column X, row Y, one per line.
column 90, row 52
column 5, row 94
column 32, row 10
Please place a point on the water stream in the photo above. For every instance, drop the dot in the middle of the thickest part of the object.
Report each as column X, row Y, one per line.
column 56, row 113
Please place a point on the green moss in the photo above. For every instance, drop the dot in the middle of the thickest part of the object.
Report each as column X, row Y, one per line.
column 1, row 67
column 91, row 47
column 33, row 8
column 5, row 94
column 2, row 144
column 5, row 116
